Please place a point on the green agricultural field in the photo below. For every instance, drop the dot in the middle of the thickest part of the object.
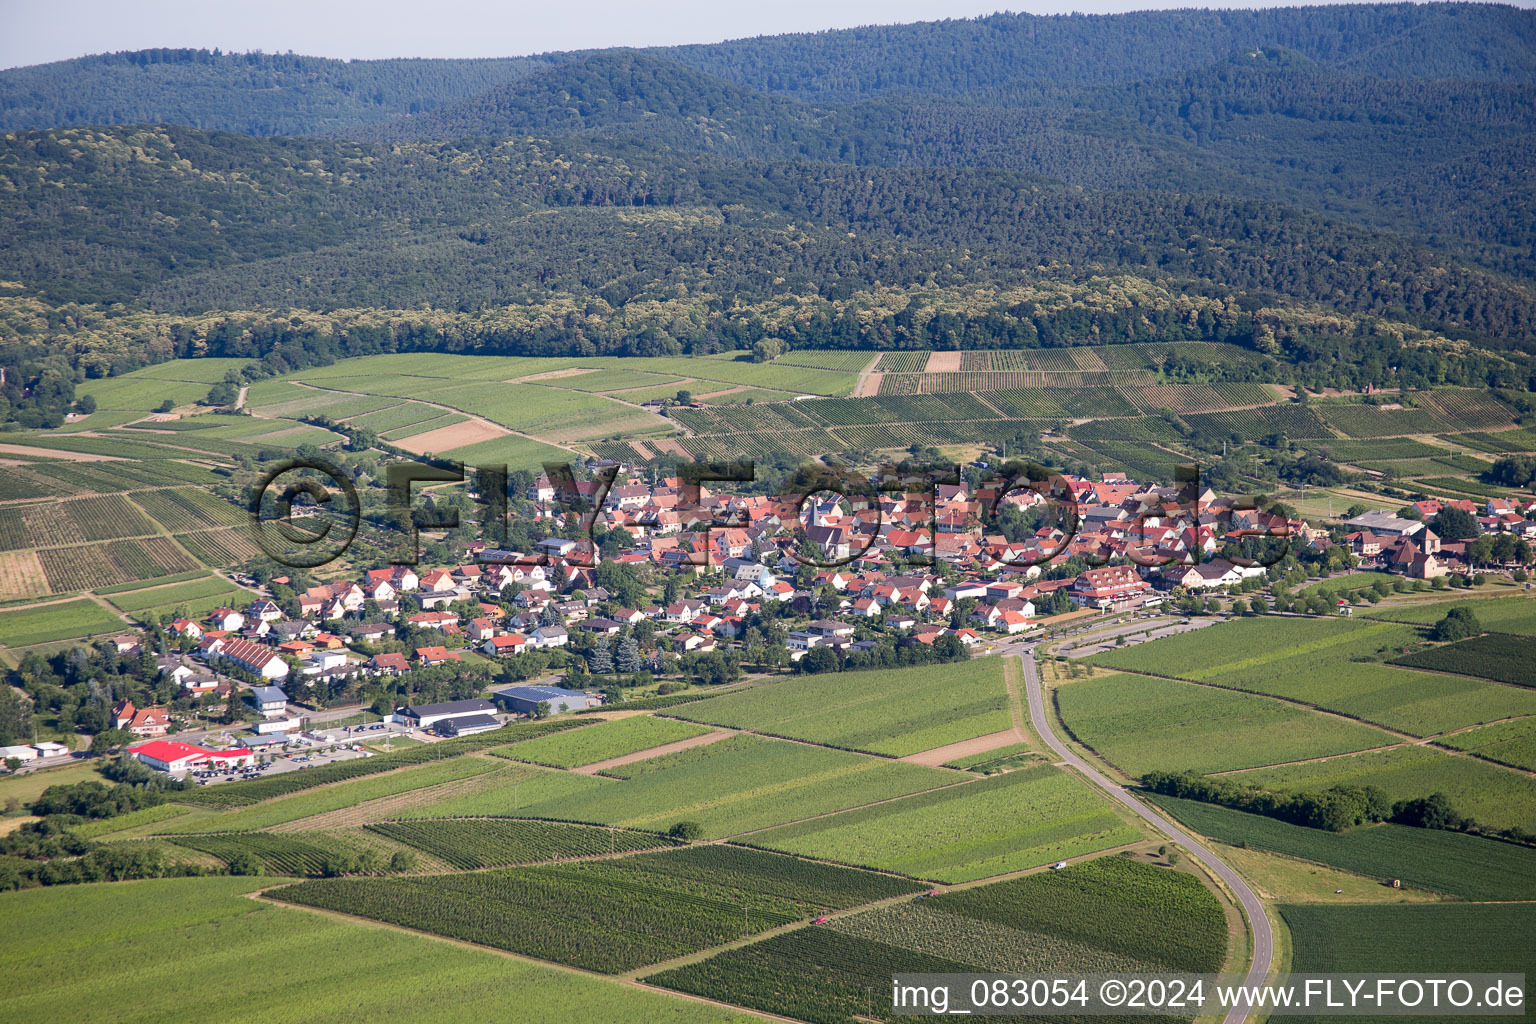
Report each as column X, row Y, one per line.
column 1427, row 940
column 62, row 621
column 1496, row 656
column 896, row 712
column 123, row 588
column 145, row 816
column 512, row 451
column 1490, row 794
column 1448, row 862
column 1347, row 678
column 1140, row 723
column 208, row 370
column 164, row 951
column 470, row 843
column 330, row 798
column 134, row 393
column 1498, row 615
column 1511, row 743
column 736, row 785
column 517, row 789
column 1199, row 653
column 211, row 587
column 294, row 854
column 988, row 827
column 602, row 741
column 609, row 915
column 1336, row 664
column 1104, row 915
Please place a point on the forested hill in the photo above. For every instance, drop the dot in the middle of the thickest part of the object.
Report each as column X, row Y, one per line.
column 980, row 59
column 255, row 93
column 1282, row 179
column 185, row 221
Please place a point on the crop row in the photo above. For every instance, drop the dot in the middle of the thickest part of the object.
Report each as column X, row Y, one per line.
column 902, row 362
column 601, row 742
column 1145, row 428
column 1496, row 656
column 98, row 565
column 895, row 712
column 740, row 417
column 1250, row 424
column 19, row 483
column 291, row 853
column 1522, row 440
column 803, row 444
column 733, row 786
column 77, row 521
column 1185, row 398
column 811, row 974
column 897, row 409
column 470, row 843
column 186, row 508
column 1365, row 421
column 1108, row 914
column 1466, row 409
column 608, row 915
column 222, row 547
column 1448, row 862
column 960, row 833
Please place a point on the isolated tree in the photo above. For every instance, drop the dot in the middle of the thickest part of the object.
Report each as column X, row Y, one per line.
column 542, row 709
column 629, row 655
column 1457, row 624
column 600, row 661
column 686, row 830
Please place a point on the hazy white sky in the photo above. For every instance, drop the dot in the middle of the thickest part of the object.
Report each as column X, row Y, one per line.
column 37, row 31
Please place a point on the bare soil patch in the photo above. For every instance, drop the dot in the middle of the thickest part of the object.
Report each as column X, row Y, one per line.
column 21, row 575
column 965, row 748
column 667, row 446
column 943, row 362
column 59, row 454
column 569, row 371
column 455, row 436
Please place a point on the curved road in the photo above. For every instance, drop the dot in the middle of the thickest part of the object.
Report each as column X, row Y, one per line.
column 1258, row 921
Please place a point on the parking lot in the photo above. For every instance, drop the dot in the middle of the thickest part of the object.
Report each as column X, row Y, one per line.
column 309, row 750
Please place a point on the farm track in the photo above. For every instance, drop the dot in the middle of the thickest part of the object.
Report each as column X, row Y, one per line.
column 868, row 382
column 645, row 755
column 1262, row 933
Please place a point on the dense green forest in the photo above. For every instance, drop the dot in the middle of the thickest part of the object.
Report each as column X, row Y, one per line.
column 1331, row 187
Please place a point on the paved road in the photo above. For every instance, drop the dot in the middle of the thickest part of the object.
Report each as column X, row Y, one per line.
column 1258, row 922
